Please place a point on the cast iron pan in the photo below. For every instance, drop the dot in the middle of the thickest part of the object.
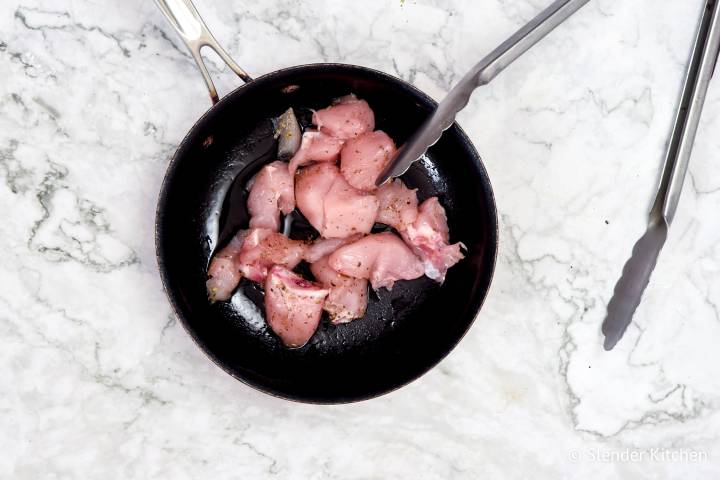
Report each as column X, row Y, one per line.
column 405, row 332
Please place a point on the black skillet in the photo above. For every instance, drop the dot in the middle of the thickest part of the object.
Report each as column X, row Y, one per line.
column 202, row 203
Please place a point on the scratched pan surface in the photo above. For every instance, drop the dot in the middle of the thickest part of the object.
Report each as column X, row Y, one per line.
column 406, row 331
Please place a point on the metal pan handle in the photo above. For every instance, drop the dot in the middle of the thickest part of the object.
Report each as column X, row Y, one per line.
column 186, row 21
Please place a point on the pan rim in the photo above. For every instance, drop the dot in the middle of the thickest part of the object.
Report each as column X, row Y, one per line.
column 493, row 235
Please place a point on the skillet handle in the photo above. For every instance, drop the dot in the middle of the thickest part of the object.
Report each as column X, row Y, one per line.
column 186, row 21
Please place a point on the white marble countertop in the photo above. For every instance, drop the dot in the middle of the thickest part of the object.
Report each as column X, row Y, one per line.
column 97, row 380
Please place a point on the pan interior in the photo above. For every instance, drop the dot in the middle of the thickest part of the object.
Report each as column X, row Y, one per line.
column 405, row 331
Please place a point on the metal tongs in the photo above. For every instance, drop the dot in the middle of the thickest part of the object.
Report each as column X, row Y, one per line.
column 481, row 74
column 637, row 270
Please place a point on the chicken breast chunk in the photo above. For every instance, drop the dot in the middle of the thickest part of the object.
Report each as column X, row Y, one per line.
column 383, row 258
column 363, row 159
column 264, row 248
column 331, row 205
column 348, row 117
column 293, row 306
column 272, row 192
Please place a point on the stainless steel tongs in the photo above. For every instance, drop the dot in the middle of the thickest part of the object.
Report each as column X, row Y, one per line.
column 636, row 273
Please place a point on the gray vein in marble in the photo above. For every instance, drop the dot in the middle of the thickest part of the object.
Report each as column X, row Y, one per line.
column 698, row 191
column 111, row 382
column 97, row 96
column 86, row 252
column 582, row 304
column 273, row 468
column 17, row 177
column 21, row 15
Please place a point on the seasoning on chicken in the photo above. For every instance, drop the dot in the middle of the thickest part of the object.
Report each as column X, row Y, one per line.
column 347, row 299
column 316, row 147
column 288, row 134
column 429, row 236
column 398, row 205
column 342, row 203
column 364, row 158
column 322, row 247
column 381, row 257
column 348, row 211
column 264, row 248
column 272, row 192
column 347, row 118
column 224, row 272
column 331, row 205
column 293, row 306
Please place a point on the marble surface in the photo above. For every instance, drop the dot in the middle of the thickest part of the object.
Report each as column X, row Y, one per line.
column 98, row 380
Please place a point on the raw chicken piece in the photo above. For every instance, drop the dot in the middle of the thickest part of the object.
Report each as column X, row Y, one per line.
column 348, row 117
column 347, row 299
column 272, row 192
column 363, row 159
column 381, row 257
column 264, row 248
column 224, row 272
column 325, row 246
column 398, row 205
column 348, row 211
column 331, row 205
column 311, row 187
column 293, row 306
column 428, row 236
column 316, row 147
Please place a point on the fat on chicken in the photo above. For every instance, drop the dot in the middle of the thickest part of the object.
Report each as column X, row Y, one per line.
column 428, row 236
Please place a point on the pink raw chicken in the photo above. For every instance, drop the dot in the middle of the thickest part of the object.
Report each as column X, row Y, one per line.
column 293, row 306
column 316, row 147
column 428, row 236
column 264, row 248
column 382, row 257
column 322, row 247
column 224, row 272
column 348, row 296
column 272, row 192
column 347, row 299
column 398, row 205
column 331, row 205
column 363, row 159
column 348, row 117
